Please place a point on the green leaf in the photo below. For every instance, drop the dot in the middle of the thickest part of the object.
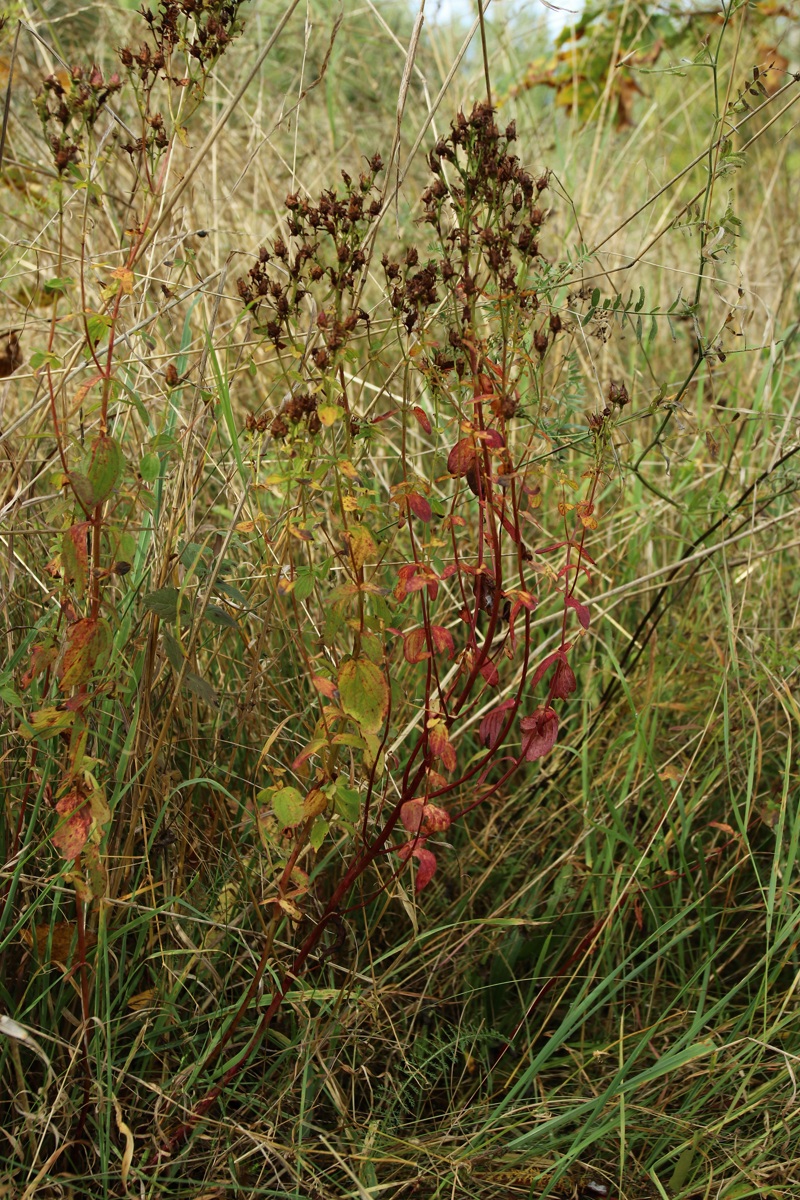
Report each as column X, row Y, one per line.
column 304, row 584
column 653, row 330
column 595, row 297
column 347, row 802
column 640, row 302
column 97, row 325
column 102, row 474
column 163, row 443
column 199, row 687
column 41, row 357
column 219, row 616
column 319, row 831
column 150, row 467
column 55, row 286
column 164, row 602
column 364, row 693
column 233, row 593
column 287, row 804
column 173, row 649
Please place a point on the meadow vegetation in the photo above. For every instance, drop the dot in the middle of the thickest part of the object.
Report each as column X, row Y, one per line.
column 399, row 535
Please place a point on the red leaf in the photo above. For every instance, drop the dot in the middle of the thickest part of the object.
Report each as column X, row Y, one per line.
column 442, row 640
column 462, row 456
column 564, row 682
column 510, row 530
column 545, row 664
column 415, row 645
column 419, row 506
column 494, row 439
column 490, row 674
column 576, row 567
column 493, row 723
column 539, row 733
column 413, row 577
column 581, row 610
column 424, row 819
column 426, row 862
column 473, row 476
column 422, row 417
column 71, row 834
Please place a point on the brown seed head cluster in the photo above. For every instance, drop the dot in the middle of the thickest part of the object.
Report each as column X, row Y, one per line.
column 480, row 200
column 324, row 256
column 68, row 105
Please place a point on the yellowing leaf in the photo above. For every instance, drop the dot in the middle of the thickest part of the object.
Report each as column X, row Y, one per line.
column 362, row 546
column 364, row 693
column 287, row 804
column 329, row 413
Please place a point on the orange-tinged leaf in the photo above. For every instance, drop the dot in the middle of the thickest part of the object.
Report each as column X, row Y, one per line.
column 315, row 803
column 143, row 1000
column 125, row 277
column 73, row 830
column 60, row 944
column 364, row 693
column 422, row 818
column 42, row 655
column 47, row 722
column 440, row 745
column 442, row 640
column 88, row 641
column 362, row 546
column 75, row 556
column 326, row 686
column 415, row 645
